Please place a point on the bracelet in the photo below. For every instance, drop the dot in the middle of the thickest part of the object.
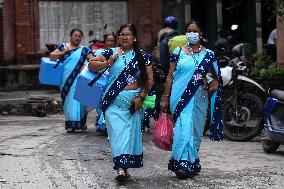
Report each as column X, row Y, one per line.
column 165, row 95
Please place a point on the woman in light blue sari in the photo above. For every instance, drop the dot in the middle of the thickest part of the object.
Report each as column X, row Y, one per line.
column 73, row 57
column 110, row 42
column 186, row 95
column 130, row 79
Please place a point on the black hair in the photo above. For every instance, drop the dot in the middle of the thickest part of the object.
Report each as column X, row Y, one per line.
column 74, row 30
column 138, row 54
column 108, row 34
column 196, row 22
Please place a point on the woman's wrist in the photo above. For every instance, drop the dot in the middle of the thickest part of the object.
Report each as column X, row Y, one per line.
column 142, row 97
column 108, row 63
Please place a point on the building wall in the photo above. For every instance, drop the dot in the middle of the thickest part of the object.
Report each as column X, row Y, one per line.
column 94, row 18
column 8, row 31
column 26, row 28
column 147, row 20
column 22, row 32
column 1, row 33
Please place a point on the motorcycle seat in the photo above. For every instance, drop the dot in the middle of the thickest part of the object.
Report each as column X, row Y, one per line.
column 278, row 94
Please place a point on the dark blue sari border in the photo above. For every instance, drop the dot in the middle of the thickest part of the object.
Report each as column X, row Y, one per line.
column 126, row 161
column 76, row 124
column 185, row 165
column 216, row 125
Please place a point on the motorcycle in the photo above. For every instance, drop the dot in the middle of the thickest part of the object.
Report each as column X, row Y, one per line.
column 273, row 112
column 242, row 109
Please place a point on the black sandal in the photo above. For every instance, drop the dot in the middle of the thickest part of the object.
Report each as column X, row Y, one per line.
column 83, row 127
column 120, row 177
column 181, row 175
column 70, row 130
column 127, row 175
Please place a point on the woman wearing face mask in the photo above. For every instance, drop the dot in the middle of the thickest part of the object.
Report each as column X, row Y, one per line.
column 186, row 96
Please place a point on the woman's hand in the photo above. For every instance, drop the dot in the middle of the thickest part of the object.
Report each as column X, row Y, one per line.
column 91, row 65
column 99, row 62
column 112, row 59
column 65, row 50
column 164, row 105
column 137, row 103
column 214, row 85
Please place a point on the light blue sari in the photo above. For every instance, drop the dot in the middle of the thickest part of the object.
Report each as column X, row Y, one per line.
column 75, row 113
column 100, row 117
column 124, row 128
column 188, row 92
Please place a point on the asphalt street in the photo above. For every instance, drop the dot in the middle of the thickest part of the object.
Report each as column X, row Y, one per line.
column 36, row 152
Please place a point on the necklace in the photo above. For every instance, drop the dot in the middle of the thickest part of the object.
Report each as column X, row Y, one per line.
column 193, row 55
column 123, row 52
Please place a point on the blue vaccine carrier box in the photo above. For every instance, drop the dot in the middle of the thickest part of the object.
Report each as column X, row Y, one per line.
column 50, row 72
column 87, row 95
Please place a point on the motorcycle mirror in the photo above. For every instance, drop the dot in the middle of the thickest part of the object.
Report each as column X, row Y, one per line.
column 234, row 27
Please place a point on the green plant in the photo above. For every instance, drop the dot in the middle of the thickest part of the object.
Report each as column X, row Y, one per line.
column 265, row 67
column 261, row 62
column 273, row 70
column 276, row 7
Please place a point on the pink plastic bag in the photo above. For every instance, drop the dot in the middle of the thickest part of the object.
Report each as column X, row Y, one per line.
column 163, row 132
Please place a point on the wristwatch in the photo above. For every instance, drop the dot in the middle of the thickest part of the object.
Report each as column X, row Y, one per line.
column 142, row 97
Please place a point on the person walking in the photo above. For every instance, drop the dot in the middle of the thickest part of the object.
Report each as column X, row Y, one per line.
column 186, row 95
column 73, row 56
column 130, row 80
column 110, row 42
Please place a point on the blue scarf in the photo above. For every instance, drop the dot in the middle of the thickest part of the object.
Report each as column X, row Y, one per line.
column 120, row 83
column 70, row 80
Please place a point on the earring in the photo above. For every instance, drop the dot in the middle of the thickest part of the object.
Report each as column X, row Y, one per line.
column 134, row 39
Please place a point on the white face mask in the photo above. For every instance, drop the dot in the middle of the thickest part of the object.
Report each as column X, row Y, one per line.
column 192, row 37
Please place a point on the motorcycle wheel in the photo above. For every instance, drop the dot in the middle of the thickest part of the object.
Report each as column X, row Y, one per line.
column 269, row 146
column 248, row 123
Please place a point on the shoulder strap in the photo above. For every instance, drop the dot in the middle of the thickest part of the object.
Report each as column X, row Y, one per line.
column 169, row 34
column 97, row 77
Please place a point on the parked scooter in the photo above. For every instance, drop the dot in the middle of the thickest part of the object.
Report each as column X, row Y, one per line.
column 273, row 112
column 241, row 106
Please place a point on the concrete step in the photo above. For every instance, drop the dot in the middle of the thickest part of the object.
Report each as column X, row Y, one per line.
column 37, row 102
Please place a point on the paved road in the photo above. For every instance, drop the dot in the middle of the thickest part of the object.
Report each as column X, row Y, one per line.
column 37, row 153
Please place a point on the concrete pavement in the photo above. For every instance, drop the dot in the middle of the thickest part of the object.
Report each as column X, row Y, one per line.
column 36, row 152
